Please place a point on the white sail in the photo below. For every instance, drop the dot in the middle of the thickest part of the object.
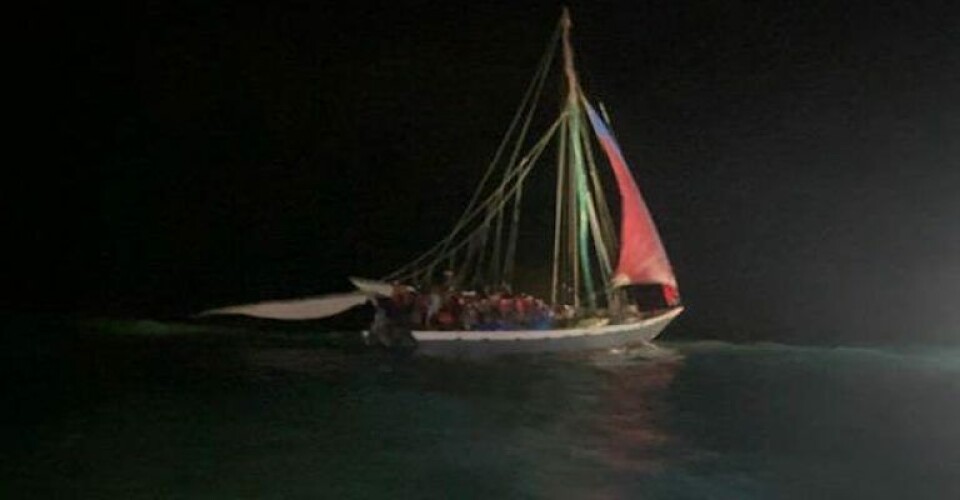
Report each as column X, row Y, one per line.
column 298, row 309
column 375, row 287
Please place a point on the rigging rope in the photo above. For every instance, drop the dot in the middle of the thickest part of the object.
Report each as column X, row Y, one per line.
column 558, row 213
column 586, row 215
column 495, row 202
column 608, row 229
column 530, row 99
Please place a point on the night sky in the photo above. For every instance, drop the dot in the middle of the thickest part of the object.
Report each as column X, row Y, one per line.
column 801, row 158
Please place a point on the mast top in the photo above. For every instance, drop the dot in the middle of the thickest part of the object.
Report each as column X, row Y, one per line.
column 571, row 73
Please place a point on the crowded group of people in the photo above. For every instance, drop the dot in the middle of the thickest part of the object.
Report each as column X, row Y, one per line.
column 444, row 308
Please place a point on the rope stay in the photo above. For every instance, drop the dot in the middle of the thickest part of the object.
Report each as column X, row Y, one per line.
column 481, row 248
column 530, row 99
column 493, row 203
column 558, row 214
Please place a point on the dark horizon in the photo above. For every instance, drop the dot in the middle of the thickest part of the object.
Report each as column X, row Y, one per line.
column 801, row 161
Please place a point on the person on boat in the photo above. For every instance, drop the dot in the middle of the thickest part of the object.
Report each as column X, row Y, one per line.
column 392, row 326
column 422, row 305
column 542, row 316
column 379, row 330
column 564, row 315
column 446, row 320
column 671, row 296
column 469, row 316
column 486, row 318
column 403, row 308
column 434, row 302
column 505, row 309
column 630, row 313
column 524, row 307
column 451, row 312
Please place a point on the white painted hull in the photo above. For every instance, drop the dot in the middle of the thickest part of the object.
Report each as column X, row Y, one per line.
column 473, row 343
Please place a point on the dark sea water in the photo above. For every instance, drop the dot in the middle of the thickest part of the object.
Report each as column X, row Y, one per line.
column 150, row 410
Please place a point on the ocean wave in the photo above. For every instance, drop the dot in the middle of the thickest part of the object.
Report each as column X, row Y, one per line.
column 918, row 356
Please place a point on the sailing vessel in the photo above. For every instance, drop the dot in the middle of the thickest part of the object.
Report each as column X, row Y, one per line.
column 593, row 269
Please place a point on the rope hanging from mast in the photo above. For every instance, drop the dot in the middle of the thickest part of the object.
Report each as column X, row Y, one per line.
column 524, row 112
column 493, row 204
column 477, row 250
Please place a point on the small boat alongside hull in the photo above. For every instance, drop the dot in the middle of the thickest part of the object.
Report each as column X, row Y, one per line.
column 492, row 343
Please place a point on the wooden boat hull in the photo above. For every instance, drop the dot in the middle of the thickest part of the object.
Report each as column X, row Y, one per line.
column 483, row 343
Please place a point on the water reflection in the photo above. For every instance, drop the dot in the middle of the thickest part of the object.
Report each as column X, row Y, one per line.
column 208, row 418
column 616, row 439
column 632, row 411
column 322, row 421
column 588, row 426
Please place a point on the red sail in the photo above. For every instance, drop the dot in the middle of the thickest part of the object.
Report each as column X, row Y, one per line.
column 642, row 257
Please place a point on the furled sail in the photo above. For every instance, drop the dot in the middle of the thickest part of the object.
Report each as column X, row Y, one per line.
column 642, row 257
